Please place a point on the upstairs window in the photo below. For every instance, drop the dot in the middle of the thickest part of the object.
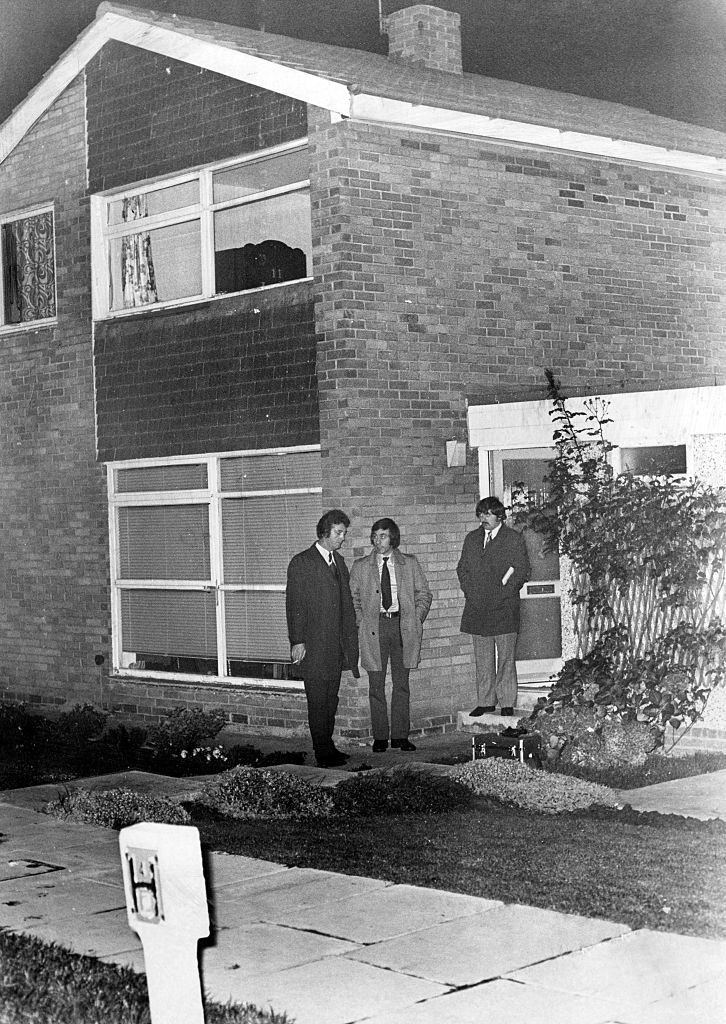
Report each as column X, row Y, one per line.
column 27, row 254
column 228, row 228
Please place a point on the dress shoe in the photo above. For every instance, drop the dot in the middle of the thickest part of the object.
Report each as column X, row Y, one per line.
column 479, row 710
column 402, row 744
column 507, row 711
column 335, row 759
column 379, row 746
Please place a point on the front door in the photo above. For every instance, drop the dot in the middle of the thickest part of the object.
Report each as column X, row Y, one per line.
column 539, row 646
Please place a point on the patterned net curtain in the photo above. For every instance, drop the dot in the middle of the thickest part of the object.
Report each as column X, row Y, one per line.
column 138, row 280
column 29, row 269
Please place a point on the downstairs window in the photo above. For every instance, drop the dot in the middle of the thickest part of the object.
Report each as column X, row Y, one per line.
column 199, row 555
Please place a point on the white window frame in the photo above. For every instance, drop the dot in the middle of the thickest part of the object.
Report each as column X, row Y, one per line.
column 213, row 496
column 28, row 325
column 102, row 233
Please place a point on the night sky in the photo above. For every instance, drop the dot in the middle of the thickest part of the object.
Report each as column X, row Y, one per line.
column 667, row 56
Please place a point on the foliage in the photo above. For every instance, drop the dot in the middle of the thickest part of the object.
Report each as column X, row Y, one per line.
column 82, row 723
column 20, row 728
column 185, row 729
column 656, row 768
column 116, row 808
column 648, row 558
column 522, row 786
column 576, row 735
column 257, row 792
column 398, row 791
column 40, row 981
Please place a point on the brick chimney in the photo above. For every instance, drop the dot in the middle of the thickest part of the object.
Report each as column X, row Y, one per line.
column 425, row 36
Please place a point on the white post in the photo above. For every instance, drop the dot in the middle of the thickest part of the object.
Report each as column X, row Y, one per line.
column 166, row 906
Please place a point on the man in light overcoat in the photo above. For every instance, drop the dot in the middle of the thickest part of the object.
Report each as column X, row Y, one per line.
column 391, row 597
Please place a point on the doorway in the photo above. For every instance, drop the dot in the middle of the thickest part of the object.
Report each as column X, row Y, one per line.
column 523, row 472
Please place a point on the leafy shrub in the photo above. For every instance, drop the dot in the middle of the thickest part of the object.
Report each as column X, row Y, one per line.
column 579, row 735
column 184, row 729
column 82, row 723
column 21, row 728
column 398, row 791
column 514, row 783
column 116, row 808
column 125, row 741
column 258, row 793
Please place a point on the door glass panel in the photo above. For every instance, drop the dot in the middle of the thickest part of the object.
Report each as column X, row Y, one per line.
column 519, row 477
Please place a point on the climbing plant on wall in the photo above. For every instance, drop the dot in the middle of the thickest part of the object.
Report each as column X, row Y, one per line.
column 649, row 585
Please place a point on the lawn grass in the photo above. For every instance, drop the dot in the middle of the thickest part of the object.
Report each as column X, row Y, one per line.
column 644, row 870
column 41, row 983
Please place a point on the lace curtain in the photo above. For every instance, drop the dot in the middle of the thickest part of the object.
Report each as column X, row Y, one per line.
column 138, row 280
column 29, row 269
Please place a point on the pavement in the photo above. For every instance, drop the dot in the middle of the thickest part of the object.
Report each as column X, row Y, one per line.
column 330, row 948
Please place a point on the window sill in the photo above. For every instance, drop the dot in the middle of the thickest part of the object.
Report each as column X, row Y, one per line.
column 198, row 302
column 30, row 325
column 218, row 682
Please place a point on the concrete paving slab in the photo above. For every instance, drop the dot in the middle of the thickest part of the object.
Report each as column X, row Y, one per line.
column 222, row 869
column 297, row 889
column 375, row 916
column 633, row 970
column 55, row 898
column 702, row 1004
column 21, row 865
column 501, row 1000
column 329, row 991
column 488, row 945
column 261, row 948
column 700, row 796
column 90, row 934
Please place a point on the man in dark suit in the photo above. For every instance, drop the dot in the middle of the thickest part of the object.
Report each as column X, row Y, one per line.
column 322, row 630
column 493, row 568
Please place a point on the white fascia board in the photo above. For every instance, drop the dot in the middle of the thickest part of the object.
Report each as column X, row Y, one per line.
column 50, row 87
column 224, row 60
column 365, row 107
column 244, row 67
column 671, row 416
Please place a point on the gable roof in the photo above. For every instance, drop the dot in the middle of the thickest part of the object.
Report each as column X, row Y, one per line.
column 363, row 86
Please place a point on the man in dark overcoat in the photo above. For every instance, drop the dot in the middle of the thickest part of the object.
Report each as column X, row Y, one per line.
column 322, row 630
column 493, row 568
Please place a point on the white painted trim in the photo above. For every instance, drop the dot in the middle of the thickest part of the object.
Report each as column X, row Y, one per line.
column 224, row 60
column 397, row 113
column 319, row 91
column 666, row 417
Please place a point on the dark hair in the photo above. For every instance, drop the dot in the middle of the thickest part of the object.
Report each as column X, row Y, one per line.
column 393, row 530
column 493, row 506
column 332, row 518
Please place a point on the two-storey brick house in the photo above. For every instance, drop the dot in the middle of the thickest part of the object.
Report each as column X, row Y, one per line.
column 247, row 278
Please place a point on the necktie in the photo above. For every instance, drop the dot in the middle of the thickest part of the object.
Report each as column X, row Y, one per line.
column 386, row 597
column 333, row 566
column 487, row 538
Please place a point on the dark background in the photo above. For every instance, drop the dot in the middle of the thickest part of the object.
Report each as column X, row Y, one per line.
column 666, row 56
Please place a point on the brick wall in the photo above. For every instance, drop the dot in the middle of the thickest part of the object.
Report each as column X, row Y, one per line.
column 149, row 115
column 455, row 272
column 53, row 519
column 228, row 375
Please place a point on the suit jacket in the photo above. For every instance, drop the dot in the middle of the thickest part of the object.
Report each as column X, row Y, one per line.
column 491, row 608
column 320, row 614
column 414, row 601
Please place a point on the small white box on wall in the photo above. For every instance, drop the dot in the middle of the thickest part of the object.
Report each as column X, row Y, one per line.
column 455, row 453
